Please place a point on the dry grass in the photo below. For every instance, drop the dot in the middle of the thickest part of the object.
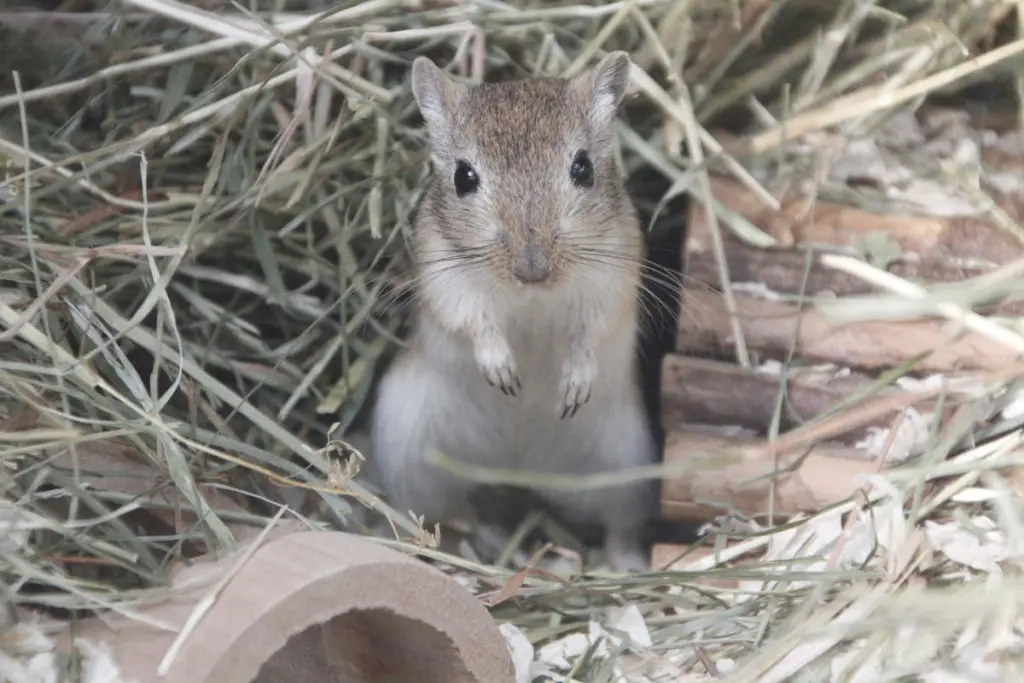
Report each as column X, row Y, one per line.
column 200, row 229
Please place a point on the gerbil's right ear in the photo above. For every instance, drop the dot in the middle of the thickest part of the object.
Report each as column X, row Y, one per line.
column 603, row 86
column 436, row 95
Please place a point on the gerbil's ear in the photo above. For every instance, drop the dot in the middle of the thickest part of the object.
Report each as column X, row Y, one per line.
column 604, row 85
column 436, row 94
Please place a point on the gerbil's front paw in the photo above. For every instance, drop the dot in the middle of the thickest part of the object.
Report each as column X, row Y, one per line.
column 499, row 365
column 578, row 377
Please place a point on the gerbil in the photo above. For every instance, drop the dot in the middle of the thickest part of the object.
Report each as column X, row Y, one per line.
column 528, row 258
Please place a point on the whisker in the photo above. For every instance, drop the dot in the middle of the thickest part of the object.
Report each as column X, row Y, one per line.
column 667, row 278
column 451, row 257
column 654, row 274
column 647, row 267
column 427, row 266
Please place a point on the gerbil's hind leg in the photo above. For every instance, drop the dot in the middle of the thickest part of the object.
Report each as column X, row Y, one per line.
column 628, row 443
column 407, row 419
column 624, row 551
column 618, row 438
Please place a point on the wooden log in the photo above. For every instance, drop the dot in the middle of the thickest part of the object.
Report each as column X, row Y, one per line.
column 785, row 270
column 821, row 476
column 772, row 327
column 939, row 244
column 932, row 249
column 695, row 390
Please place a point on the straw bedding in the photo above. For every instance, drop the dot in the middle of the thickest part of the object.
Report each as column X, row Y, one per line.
column 203, row 230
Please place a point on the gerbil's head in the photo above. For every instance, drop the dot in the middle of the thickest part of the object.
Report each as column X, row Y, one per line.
column 524, row 178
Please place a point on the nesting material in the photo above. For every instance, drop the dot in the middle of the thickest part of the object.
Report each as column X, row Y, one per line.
column 204, row 211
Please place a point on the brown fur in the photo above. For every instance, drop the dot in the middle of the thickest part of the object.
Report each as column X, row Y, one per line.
column 558, row 354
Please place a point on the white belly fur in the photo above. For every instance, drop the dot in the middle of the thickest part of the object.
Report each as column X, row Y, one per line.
column 434, row 396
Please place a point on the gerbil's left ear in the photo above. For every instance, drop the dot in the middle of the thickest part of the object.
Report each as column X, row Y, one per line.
column 436, row 95
column 604, row 85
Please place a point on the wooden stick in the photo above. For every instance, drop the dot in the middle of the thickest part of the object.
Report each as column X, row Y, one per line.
column 803, row 220
column 772, row 327
column 932, row 249
column 710, row 392
column 822, row 475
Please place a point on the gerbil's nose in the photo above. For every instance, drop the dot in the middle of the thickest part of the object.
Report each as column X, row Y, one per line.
column 531, row 265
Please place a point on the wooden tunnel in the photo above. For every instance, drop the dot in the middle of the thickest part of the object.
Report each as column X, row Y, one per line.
column 305, row 606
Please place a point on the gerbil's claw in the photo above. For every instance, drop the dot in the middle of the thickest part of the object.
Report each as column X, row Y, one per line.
column 571, row 404
column 577, row 384
column 506, row 383
column 499, row 367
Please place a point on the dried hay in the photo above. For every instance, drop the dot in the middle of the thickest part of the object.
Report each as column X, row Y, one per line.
column 201, row 226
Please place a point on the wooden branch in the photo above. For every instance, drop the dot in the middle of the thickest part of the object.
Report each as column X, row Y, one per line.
column 822, row 475
column 939, row 245
column 771, row 327
column 931, row 249
column 786, row 271
column 715, row 393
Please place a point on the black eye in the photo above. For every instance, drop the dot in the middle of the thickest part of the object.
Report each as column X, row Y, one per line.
column 582, row 171
column 466, row 179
